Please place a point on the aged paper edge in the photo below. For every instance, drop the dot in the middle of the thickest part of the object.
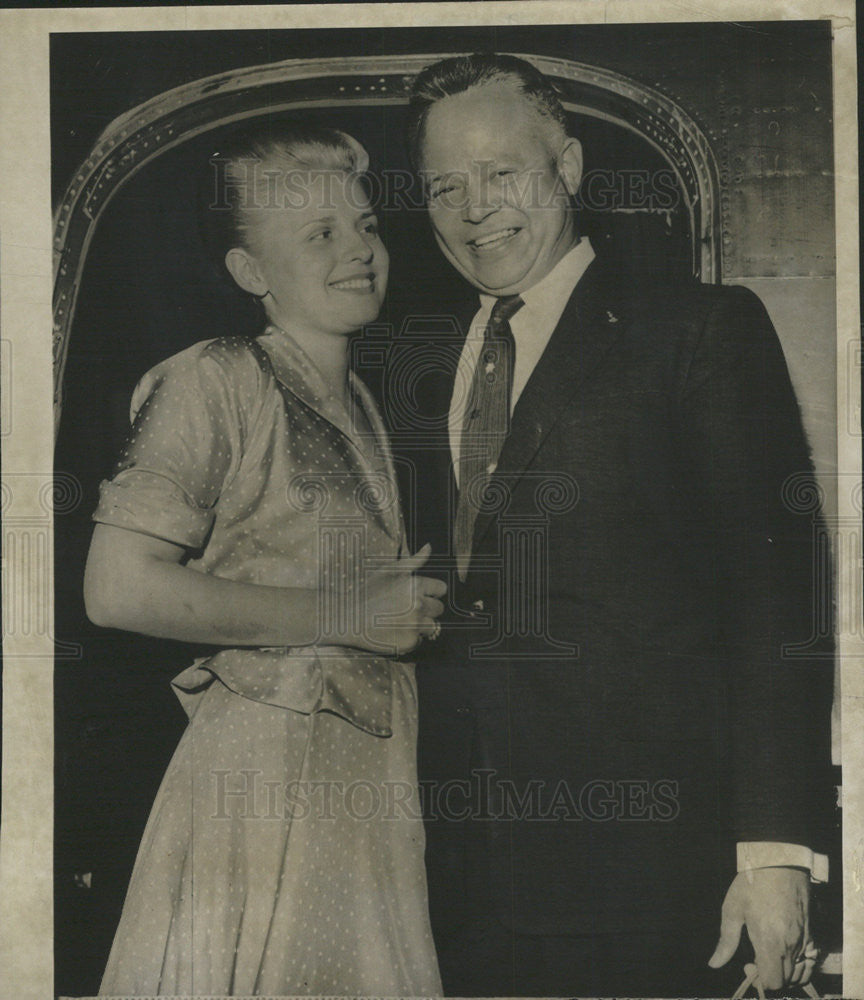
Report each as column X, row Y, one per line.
column 26, row 925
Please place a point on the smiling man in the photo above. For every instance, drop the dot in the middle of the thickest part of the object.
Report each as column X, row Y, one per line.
column 499, row 178
column 611, row 700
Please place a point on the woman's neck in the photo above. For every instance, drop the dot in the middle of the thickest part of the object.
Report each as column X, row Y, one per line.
column 329, row 354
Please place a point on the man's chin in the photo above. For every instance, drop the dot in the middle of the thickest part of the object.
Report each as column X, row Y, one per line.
column 500, row 279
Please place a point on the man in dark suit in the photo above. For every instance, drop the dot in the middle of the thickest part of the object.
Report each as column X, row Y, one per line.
column 613, row 723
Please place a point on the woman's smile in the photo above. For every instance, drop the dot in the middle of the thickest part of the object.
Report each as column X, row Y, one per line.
column 358, row 283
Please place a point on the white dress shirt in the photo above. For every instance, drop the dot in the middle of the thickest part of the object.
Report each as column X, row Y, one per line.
column 533, row 326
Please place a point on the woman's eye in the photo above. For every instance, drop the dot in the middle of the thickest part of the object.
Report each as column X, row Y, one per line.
column 505, row 172
column 322, row 234
column 371, row 228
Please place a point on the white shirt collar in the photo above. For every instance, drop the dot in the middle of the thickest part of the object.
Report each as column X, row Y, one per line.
column 545, row 301
column 532, row 327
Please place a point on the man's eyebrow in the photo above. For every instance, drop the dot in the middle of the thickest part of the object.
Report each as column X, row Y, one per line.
column 443, row 175
column 448, row 177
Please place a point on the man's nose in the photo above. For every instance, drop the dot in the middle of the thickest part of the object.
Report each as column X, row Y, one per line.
column 479, row 200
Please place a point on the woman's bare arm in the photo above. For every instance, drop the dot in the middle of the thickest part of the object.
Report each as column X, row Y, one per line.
column 136, row 582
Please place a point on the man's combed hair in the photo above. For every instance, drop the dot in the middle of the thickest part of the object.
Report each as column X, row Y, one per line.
column 460, row 73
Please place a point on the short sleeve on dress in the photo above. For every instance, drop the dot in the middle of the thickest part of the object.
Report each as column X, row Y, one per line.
column 189, row 419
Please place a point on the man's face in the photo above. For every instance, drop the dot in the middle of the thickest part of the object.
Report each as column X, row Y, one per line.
column 498, row 188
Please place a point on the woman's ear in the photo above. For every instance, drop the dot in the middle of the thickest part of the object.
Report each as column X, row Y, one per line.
column 570, row 165
column 244, row 269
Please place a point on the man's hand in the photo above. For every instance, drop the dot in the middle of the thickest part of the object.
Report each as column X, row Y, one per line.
column 774, row 903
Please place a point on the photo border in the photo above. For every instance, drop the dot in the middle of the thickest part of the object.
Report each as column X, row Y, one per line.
column 26, row 435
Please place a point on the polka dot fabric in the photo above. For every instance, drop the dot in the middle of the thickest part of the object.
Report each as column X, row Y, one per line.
column 284, row 852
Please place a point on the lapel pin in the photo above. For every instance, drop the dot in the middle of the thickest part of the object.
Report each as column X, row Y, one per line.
column 611, row 317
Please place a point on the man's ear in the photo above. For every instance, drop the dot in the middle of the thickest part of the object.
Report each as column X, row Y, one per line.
column 570, row 165
column 244, row 269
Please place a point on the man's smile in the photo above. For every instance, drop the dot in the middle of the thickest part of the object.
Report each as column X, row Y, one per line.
column 494, row 240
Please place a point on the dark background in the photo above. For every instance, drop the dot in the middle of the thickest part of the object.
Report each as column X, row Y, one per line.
column 147, row 292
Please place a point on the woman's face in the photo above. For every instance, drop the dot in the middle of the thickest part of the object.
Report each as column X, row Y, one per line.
column 316, row 245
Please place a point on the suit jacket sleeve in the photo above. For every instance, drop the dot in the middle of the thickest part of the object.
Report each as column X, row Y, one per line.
column 745, row 447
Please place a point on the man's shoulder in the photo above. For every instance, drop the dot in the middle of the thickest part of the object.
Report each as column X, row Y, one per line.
column 667, row 307
column 694, row 300
column 686, row 300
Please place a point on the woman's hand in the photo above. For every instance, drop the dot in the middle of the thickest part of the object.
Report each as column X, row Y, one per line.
column 401, row 607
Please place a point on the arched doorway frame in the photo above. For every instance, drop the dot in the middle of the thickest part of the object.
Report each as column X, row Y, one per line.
column 171, row 118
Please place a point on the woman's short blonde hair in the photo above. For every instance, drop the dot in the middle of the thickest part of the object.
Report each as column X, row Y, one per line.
column 251, row 164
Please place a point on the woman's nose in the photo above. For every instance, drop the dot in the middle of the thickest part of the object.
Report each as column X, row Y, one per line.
column 361, row 248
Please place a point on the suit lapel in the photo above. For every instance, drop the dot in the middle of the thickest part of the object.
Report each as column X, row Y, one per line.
column 464, row 319
column 590, row 325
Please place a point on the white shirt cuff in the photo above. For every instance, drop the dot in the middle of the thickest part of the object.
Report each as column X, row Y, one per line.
column 767, row 854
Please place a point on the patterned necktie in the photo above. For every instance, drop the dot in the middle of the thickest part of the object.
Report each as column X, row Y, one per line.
column 485, row 424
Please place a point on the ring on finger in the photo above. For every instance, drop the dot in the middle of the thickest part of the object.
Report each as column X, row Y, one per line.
column 808, row 955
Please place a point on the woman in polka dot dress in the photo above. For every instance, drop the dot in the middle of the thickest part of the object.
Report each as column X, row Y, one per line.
column 255, row 509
